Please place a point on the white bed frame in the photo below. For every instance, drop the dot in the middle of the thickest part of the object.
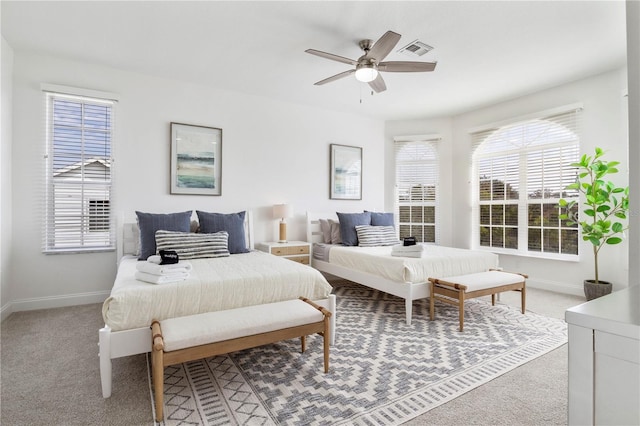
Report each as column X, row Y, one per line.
column 407, row 291
column 116, row 344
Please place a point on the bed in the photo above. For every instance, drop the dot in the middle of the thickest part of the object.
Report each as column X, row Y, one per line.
column 404, row 277
column 213, row 284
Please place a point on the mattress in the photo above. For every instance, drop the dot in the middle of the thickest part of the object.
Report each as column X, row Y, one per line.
column 214, row 284
column 437, row 261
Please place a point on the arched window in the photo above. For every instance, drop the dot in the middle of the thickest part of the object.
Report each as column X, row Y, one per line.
column 417, row 188
column 521, row 171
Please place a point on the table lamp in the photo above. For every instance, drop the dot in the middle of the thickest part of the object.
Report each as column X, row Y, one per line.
column 282, row 211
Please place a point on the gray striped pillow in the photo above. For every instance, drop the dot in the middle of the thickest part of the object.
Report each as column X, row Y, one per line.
column 371, row 236
column 194, row 246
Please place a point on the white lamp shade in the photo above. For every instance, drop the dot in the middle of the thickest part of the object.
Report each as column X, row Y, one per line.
column 281, row 211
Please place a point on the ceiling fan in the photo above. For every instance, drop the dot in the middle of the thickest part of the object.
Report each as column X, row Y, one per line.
column 368, row 66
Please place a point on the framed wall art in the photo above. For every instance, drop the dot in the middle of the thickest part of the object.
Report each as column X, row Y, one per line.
column 346, row 172
column 196, row 160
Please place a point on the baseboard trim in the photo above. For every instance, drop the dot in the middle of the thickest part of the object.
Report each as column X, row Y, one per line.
column 57, row 301
column 5, row 311
column 557, row 287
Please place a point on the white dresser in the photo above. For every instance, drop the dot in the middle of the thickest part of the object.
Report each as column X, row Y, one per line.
column 604, row 360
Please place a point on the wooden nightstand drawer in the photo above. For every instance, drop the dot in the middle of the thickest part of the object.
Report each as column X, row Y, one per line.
column 298, row 251
column 287, row 251
column 300, row 259
column 279, row 251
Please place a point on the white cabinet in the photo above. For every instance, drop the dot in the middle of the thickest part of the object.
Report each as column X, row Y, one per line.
column 604, row 360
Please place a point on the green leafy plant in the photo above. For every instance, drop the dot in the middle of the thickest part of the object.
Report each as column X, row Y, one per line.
column 604, row 203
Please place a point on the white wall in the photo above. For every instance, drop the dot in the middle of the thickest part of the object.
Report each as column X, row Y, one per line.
column 633, row 80
column 604, row 125
column 272, row 152
column 6, row 89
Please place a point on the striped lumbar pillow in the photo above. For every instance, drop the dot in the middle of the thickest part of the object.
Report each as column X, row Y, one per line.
column 371, row 236
column 194, row 246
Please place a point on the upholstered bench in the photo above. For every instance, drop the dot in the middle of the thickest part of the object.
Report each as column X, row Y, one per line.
column 455, row 290
column 183, row 339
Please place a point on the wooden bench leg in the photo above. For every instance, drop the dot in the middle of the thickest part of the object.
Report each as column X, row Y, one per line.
column 157, row 371
column 432, row 301
column 461, row 308
column 493, row 299
column 157, row 367
column 303, row 342
column 325, row 340
column 523, row 297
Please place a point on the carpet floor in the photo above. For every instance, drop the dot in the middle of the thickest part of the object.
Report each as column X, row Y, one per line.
column 50, row 375
column 383, row 372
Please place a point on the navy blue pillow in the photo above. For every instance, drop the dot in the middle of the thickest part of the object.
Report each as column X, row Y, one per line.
column 348, row 222
column 382, row 219
column 232, row 223
column 149, row 223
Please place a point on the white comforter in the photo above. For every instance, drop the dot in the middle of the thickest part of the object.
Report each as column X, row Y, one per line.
column 213, row 285
column 435, row 261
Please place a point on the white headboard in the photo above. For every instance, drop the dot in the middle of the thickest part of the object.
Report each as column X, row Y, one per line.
column 314, row 234
column 129, row 236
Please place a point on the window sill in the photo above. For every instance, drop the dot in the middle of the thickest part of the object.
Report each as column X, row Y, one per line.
column 78, row 251
column 534, row 255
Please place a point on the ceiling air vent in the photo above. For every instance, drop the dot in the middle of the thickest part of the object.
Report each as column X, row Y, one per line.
column 415, row 48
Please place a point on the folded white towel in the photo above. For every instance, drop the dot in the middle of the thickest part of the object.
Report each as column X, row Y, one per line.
column 417, row 248
column 155, row 269
column 154, row 259
column 160, row 279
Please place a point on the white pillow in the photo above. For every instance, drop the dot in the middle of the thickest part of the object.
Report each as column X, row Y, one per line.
column 336, row 238
column 372, row 236
column 131, row 239
column 325, row 227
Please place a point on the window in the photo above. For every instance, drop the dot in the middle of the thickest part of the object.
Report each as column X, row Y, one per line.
column 78, row 184
column 98, row 215
column 520, row 172
column 417, row 189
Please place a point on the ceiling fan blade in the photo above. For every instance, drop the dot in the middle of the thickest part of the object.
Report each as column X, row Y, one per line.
column 406, row 66
column 332, row 56
column 378, row 84
column 335, row 77
column 383, row 46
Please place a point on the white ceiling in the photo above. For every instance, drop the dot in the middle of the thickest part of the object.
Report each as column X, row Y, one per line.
column 486, row 51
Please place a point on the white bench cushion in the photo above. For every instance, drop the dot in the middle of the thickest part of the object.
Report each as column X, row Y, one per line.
column 484, row 280
column 210, row 327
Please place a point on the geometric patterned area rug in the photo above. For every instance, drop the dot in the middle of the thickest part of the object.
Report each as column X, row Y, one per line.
column 381, row 372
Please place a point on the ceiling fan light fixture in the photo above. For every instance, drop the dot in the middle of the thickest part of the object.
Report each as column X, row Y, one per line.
column 366, row 73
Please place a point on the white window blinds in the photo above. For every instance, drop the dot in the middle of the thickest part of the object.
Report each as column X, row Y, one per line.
column 417, row 188
column 520, row 173
column 78, row 213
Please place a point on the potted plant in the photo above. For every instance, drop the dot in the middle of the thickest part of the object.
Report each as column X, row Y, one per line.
column 604, row 203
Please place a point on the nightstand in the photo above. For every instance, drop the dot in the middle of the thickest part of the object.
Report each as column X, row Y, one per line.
column 298, row 251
